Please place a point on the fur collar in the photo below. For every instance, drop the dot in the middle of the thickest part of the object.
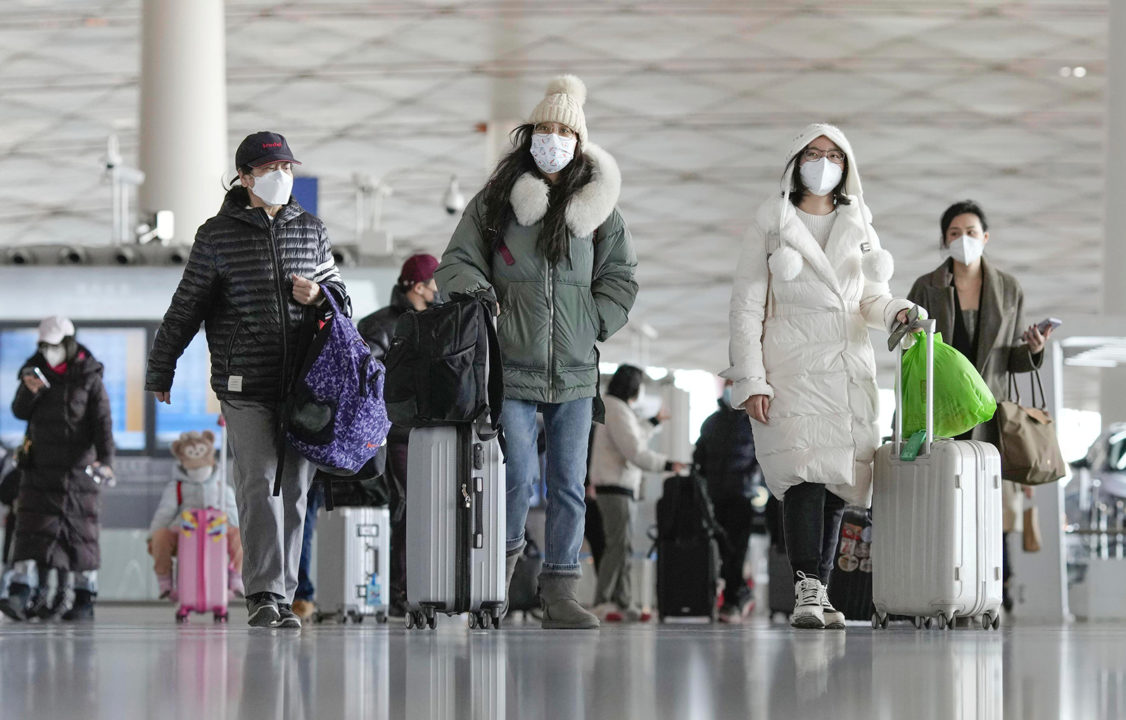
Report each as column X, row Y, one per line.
column 588, row 208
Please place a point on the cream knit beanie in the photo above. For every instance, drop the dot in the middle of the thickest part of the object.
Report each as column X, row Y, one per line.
column 563, row 103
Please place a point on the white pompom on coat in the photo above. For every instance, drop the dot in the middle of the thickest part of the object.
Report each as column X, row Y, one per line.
column 807, row 347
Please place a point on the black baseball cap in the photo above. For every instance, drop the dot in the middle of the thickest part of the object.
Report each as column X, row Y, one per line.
column 263, row 148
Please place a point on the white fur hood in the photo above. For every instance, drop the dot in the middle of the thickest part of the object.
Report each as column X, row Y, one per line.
column 588, row 208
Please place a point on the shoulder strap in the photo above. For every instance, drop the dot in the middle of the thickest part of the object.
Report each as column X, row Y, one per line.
column 496, row 374
column 179, row 493
column 304, row 342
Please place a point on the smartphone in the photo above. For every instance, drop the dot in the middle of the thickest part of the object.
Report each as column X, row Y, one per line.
column 1048, row 323
column 37, row 373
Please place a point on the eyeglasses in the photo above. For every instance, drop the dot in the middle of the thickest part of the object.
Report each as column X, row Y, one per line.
column 813, row 155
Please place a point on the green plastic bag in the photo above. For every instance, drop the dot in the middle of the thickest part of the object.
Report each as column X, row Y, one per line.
column 962, row 400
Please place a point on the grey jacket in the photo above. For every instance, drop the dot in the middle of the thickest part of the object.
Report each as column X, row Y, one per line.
column 1000, row 326
column 550, row 317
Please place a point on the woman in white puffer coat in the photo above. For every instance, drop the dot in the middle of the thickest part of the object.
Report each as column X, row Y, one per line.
column 811, row 280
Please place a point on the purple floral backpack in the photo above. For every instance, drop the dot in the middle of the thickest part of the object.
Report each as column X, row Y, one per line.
column 335, row 416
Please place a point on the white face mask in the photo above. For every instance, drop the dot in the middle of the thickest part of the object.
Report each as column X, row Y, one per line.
column 55, row 355
column 966, row 249
column 199, row 475
column 552, row 152
column 822, row 176
column 273, row 188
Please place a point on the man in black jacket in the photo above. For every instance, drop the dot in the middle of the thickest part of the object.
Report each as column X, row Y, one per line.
column 252, row 270
column 415, row 290
column 725, row 457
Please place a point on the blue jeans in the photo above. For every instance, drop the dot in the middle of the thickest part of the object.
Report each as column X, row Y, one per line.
column 567, row 426
column 305, row 588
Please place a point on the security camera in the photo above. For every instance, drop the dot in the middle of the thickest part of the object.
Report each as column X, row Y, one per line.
column 162, row 228
column 73, row 256
column 125, row 256
column 344, row 255
column 453, row 200
column 21, row 256
column 178, row 255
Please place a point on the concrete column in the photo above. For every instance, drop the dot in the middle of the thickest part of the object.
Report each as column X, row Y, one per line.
column 1114, row 253
column 183, row 128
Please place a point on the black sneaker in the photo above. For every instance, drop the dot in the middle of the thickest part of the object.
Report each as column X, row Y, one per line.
column 83, row 608
column 287, row 619
column 263, row 609
column 15, row 605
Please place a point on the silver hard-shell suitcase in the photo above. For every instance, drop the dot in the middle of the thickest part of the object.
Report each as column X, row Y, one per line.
column 455, row 525
column 353, row 563
column 936, row 524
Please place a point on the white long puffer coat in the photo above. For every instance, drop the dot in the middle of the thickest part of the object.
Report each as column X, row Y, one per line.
column 799, row 334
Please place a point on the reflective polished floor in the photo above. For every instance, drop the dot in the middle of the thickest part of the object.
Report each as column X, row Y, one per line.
column 136, row 663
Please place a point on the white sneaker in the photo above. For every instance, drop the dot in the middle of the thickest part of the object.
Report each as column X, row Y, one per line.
column 834, row 619
column 808, row 613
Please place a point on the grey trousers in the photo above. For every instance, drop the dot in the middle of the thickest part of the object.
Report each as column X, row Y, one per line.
column 615, row 570
column 271, row 526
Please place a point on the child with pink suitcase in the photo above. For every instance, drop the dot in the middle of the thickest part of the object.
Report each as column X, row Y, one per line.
column 197, row 521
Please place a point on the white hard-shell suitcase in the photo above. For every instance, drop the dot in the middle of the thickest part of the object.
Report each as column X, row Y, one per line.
column 936, row 524
column 455, row 525
column 353, row 563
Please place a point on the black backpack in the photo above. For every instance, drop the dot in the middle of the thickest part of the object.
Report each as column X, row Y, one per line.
column 685, row 514
column 444, row 366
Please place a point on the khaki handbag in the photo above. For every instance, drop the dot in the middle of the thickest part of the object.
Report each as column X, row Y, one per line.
column 1030, row 450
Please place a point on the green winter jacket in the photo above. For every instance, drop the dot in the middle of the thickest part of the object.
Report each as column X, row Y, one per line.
column 550, row 317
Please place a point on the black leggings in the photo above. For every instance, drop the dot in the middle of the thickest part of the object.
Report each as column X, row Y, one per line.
column 811, row 518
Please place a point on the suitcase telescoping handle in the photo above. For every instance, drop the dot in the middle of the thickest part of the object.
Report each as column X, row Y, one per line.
column 928, row 328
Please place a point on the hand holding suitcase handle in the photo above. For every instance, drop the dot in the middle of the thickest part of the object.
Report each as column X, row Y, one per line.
column 928, row 327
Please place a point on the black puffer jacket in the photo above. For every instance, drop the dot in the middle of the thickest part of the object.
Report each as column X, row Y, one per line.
column 238, row 283
column 725, row 453
column 70, row 427
column 378, row 329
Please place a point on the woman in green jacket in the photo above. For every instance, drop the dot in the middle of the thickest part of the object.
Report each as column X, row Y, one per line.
column 544, row 238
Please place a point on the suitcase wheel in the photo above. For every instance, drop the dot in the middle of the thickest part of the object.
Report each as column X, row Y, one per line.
column 221, row 617
column 496, row 622
column 381, row 618
column 358, row 618
column 409, row 619
column 181, row 617
column 431, row 620
column 879, row 622
column 473, row 619
column 989, row 621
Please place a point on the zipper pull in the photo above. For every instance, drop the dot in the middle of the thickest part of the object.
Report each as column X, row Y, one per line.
column 465, row 496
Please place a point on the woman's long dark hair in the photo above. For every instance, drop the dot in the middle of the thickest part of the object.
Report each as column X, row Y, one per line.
column 555, row 238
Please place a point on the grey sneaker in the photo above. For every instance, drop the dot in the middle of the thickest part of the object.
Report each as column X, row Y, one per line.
column 263, row 609
column 807, row 604
column 287, row 619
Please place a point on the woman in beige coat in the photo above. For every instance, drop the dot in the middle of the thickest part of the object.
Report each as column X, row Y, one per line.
column 980, row 311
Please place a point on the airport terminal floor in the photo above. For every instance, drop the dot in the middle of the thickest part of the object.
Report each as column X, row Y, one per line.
column 134, row 662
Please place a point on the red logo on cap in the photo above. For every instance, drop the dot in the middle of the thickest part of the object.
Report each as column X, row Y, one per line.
column 270, row 145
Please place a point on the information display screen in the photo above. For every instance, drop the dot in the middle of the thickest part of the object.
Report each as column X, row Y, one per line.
column 121, row 350
column 194, row 405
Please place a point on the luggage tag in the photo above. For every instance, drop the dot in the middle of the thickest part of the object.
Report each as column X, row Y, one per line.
column 912, row 447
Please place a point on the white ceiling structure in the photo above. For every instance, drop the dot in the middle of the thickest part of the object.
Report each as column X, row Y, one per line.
column 942, row 100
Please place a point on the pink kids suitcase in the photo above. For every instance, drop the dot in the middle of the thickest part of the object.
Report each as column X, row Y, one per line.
column 202, row 564
column 202, row 559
